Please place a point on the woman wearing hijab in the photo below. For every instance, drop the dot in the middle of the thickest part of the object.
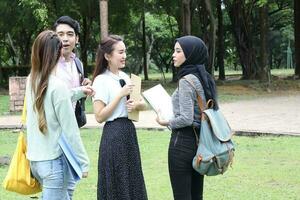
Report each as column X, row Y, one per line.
column 190, row 57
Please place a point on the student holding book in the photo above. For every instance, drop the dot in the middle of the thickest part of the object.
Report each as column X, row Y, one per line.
column 49, row 114
column 190, row 57
column 119, row 166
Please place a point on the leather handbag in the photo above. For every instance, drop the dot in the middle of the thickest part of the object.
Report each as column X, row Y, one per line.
column 80, row 104
column 80, row 112
column 18, row 178
column 215, row 147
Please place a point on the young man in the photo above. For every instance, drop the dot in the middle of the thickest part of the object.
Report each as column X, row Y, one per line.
column 70, row 68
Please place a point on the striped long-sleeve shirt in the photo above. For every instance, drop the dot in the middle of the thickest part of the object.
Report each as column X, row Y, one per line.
column 185, row 106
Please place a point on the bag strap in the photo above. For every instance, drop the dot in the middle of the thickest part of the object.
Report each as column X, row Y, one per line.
column 24, row 112
column 199, row 100
column 79, row 68
column 202, row 107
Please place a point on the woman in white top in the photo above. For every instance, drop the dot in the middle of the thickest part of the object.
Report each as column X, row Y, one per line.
column 119, row 166
column 49, row 114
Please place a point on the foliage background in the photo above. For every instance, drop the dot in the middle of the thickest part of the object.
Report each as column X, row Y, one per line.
column 163, row 23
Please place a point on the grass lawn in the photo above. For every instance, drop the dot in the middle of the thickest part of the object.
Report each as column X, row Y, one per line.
column 263, row 168
column 4, row 102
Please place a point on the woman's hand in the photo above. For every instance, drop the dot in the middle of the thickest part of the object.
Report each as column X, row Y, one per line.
column 131, row 105
column 126, row 90
column 136, row 105
column 85, row 174
column 88, row 90
column 160, row 120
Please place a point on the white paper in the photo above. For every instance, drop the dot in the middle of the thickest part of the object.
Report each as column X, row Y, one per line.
column 159, row 99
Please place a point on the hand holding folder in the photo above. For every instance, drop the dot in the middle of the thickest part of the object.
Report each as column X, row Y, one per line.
column 160, row 101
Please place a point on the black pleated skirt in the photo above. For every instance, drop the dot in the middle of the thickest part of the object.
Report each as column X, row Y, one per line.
column 120, row 174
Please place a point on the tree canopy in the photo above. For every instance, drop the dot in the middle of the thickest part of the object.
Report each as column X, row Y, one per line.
column 250, row 35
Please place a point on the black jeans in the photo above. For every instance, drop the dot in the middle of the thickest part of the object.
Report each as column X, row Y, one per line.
column 187, row 184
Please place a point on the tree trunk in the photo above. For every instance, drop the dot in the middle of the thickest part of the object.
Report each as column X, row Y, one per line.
column 84, row 41
column 148, row 53
column 1, row 78
column 15, row 57
column 297, row 37
column 220, row 43
column 212, row 39
column 145, row 64
column 186, row 17
column 263, row 20
column 103, row 4
column 241, row 27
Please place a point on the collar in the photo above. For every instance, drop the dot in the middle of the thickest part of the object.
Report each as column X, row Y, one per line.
column 63, row 60
column 114, row 76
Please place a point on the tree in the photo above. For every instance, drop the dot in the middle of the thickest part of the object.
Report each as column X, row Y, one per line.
column 297, row 37
column 220, row 42
column 164, row 21
column 263, row 21
column 103, row 5
column 240, row 16
column 160, row 30
column 145, row 60
column 212, row 38
column 186, row 17
column 26, row 18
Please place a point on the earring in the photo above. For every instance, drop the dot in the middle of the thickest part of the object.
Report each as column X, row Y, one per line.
column 77, row 45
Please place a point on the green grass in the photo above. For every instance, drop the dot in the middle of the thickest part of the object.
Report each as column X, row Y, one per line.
column 88, row 105
column 274, row 72
column 263, row 168
column 4, row 102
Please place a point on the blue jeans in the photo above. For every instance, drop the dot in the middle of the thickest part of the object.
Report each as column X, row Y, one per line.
column 55, row 178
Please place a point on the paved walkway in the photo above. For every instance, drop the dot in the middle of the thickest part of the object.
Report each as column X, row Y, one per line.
column 276, row 115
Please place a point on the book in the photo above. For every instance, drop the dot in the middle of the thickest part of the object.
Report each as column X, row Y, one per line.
column 135, row 95
column 71, row 158
column 160, row 101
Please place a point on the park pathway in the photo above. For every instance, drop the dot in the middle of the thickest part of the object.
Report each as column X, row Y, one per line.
column 268, row 115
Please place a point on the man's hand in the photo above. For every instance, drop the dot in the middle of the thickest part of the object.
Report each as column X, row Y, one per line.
column 86, row 81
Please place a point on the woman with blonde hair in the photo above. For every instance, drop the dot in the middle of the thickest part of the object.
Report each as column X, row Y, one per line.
column 49, row 114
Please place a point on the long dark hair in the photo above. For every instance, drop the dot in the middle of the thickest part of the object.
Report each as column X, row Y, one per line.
column 45, row 53
column 106, row 46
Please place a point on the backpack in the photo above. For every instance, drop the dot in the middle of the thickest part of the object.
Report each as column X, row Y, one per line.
column 215, row 147
column 80, row 104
